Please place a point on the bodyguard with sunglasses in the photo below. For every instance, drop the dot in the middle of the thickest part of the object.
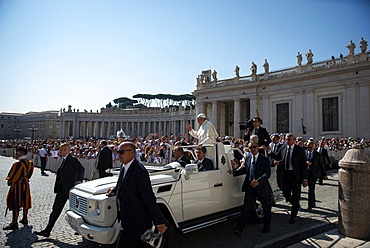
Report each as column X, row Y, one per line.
column 294, row 160
column 137, row 208
column 257, row 170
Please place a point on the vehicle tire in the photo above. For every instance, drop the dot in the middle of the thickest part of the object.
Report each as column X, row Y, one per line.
column 157, row 240
column 256, row 215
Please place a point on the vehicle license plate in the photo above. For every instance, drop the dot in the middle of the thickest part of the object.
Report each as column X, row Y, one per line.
column 71, row 220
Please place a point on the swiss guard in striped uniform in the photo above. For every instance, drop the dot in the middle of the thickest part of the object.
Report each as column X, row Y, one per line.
column 19, row 196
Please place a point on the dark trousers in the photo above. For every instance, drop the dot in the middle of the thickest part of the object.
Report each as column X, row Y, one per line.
column 58, row 206
column 311, row 189
column 279, row 176
column 321, row 180
column 43, row 164
column 292, row 191
column 250, row 198
column 126, row 240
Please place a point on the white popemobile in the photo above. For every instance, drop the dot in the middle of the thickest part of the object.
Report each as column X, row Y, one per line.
column 188, row 199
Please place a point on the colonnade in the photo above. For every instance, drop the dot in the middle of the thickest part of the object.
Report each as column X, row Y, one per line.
column 79, row 128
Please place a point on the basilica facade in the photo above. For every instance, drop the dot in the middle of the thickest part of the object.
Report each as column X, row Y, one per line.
column 328, row 98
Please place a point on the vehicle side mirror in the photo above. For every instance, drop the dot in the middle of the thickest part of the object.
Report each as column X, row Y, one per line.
column 190, row 169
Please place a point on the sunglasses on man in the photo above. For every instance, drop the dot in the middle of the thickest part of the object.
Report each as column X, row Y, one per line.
column 123, row 151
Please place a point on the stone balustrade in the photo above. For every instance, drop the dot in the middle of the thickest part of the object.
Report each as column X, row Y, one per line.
column 318, row 66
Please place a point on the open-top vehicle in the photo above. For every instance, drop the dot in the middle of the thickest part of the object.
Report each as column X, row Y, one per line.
column 189, row 199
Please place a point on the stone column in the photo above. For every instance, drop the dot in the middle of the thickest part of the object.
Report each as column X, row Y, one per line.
column 364, row 96
column 83, row 129
column 104, row 130
column 127, row 131
column 144, row 128
column 253, row 106
column 97, row 129
column 309, row 114
column 90, row 129
column 236, row 118
column 182, row 126
column 350, row 125
column 223, row 124
column 214, row 116
column 75, row 130
column 354, row 211
column 62, row 128
column 199, row 108
column 139, row 130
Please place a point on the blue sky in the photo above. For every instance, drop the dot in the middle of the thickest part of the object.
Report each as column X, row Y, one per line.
column 87, row 52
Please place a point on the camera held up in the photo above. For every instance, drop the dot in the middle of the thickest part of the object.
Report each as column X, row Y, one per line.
column 246, row 124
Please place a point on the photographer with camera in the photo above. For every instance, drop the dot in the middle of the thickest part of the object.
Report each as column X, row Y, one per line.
column 254, row 127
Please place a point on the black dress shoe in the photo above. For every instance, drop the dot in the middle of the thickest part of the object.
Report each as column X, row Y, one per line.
column 24, row 222
column 265, row 230
column 10, row 227
column 237, row 232
column 42, row 233
column 291, row 221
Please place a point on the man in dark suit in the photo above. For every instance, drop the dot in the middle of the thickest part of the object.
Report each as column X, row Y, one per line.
column 295, row 172
column 257, row 169
column 263, row 135
column 69, row 174
column 104, row 159
column 203, row 162
column 325, row 156
column 180, row 157
column 137, row 208
column 316, row 168
column 275, row 147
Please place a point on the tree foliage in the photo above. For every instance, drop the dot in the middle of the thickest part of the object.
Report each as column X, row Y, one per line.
column 158, row 100
column 124, row 102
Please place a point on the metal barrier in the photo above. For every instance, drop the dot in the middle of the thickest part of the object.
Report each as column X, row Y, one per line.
column 53, row 164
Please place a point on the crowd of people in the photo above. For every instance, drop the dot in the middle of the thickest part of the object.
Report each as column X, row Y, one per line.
column 299, row 162
column 154, row 147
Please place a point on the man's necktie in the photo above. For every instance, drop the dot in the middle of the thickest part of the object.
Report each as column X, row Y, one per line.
column 122, row 171
column 200, row 165
column 287, row 160
column 275, row 148
column 251, row 169
column 63, row 162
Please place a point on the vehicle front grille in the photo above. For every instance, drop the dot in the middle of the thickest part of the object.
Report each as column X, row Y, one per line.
column 78, row 204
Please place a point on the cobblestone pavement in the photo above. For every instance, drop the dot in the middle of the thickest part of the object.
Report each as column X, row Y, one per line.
column 282, row 234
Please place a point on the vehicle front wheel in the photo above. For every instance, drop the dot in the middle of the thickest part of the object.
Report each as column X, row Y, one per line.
column 154, row 238
column 256, row 215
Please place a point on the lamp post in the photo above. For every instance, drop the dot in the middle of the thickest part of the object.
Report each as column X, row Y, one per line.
column 17, row 130
column 33, row 129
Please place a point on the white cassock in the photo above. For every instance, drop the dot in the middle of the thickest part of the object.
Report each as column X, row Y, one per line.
column 206, row 134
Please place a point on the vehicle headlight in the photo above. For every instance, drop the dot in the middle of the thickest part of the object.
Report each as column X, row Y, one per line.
column 97, row 208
